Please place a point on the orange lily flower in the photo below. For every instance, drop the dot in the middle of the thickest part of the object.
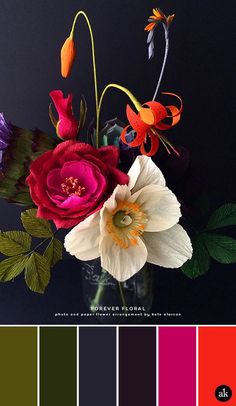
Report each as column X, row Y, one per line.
column 148, row 123
column 68, row 54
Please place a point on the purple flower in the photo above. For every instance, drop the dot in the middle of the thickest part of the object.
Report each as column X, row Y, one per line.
column 5, row 137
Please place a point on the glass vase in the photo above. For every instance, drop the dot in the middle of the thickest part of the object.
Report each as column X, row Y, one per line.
column 117, row 302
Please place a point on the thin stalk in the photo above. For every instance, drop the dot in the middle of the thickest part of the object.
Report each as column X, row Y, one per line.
column 122, row 295
column 122, row 89
column 82, row 13
column 166, row 30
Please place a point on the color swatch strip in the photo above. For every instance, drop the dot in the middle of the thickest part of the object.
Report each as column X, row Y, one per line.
column 177, row 366
column 18, row 366
column 97, row 366
column 137, row 366
column 58, row 366
column 217, row 366
column 114, row 366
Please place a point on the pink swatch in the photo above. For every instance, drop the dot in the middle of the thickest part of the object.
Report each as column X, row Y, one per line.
column 177, row 366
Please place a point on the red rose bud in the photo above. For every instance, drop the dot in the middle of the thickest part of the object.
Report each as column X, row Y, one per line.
column 67, row 126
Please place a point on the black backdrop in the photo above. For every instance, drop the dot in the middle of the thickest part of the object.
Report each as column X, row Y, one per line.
column 200, row 68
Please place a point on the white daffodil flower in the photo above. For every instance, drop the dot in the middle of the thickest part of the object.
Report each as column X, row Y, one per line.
column 137, row 224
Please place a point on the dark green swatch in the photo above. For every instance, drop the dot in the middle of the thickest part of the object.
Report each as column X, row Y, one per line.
column 58, row 366
column 18, row 366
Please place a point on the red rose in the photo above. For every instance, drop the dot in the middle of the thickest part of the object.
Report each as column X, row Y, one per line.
column 73, row 181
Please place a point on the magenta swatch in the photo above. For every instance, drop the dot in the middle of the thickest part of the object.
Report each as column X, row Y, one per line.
column 177, row 366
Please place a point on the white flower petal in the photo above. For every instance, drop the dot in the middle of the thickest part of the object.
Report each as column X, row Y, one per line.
column 160, row 205
column 122, row 263
column 144, row 172
column 170, row 248
column 120, row 193
column 83, row 240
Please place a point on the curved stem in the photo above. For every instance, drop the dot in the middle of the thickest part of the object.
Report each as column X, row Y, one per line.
column 82, row 13
column 124, row 90
column 164, row 60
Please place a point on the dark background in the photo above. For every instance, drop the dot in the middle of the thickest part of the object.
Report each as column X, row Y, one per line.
column 200, row 68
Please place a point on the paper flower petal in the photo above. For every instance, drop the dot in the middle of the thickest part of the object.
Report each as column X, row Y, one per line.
column 170, row 248
column 83, row 240
column 144, row 172
column 122, row 263
column 160, row 205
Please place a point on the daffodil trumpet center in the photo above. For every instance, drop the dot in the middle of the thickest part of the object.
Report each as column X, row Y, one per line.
column 126, row 224
column 72, row 187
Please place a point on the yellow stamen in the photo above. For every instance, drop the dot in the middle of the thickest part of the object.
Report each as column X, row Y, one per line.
column 71, row 187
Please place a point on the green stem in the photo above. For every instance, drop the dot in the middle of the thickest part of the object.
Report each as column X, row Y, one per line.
column 82, row 13
column 122, row 89
column 166, row 29
column 122, row 295
column 100, row 291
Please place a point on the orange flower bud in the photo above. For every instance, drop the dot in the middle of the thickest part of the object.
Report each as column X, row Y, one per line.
column 68, row 54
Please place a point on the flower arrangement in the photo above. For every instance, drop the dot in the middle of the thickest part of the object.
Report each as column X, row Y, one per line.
column 118, row 195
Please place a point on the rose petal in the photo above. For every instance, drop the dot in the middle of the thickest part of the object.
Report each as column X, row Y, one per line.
column 170, row 248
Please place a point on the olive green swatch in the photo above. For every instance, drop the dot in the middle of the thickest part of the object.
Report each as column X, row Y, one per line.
column 18, row 366
column 58, row 366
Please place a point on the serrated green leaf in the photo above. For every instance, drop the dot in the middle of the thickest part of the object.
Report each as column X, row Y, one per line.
column 37, row 273
column 199, row 264
column 36, row 226
column 220, row 247
column 222, row 217
column 14, row 242
column 11, row 267
column 53, row 252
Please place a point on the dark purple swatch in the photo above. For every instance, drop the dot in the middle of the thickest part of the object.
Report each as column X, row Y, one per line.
column 137, row 366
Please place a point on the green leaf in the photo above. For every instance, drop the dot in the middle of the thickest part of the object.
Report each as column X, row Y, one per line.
column 199, row 264
column 83, row 113
column 12, row 267
column 222, row 217
column 37, row 273
column 53, row 252
column 14, row 242
column 220, row 247
column 36, row 226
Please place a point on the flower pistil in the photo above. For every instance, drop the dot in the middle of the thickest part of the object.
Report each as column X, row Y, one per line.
column 126, row 223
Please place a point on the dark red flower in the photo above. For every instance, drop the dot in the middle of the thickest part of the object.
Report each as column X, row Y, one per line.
column 148, row 124
column 73, row 181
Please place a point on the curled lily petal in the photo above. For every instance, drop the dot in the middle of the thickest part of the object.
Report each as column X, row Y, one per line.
column 138, row 140
column 175, row 115
column 135, row 120
column 154, row 140
column 155, row 113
